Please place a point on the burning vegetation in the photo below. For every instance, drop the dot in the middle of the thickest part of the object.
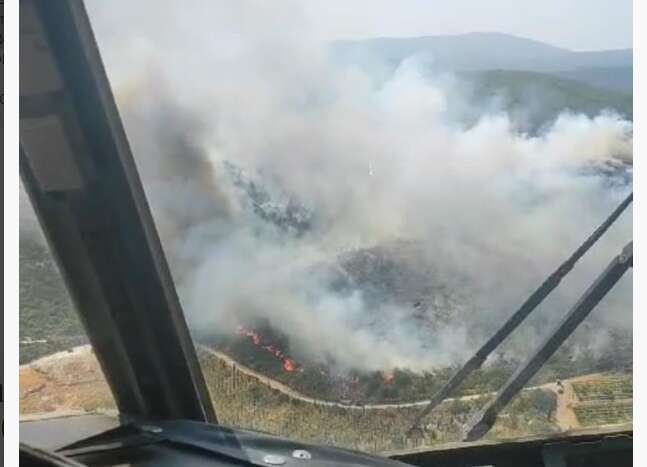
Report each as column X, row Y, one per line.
column 388, row 377
column 289, row 365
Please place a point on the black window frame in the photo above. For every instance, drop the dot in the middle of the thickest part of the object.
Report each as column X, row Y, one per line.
column 78, row 169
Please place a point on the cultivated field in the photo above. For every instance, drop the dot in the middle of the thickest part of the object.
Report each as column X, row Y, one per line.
column 72, row 381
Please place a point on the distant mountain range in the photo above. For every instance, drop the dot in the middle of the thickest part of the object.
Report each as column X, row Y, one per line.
column 533, row 100
column 611, row 69
column 619, row 79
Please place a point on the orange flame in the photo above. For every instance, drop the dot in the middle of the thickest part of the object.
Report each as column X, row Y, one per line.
column 289, row 365
column 256, row 339
column 388, row 377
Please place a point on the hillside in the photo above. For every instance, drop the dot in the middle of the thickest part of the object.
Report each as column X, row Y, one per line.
column 613, row 78
column 534, row 99
column 72, row 382
column 532, row 81
column 478, row 51
column 318, row 381
column 47, row 320
column 386, row 273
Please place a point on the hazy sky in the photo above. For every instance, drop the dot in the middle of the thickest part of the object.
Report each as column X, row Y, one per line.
column 574, row 24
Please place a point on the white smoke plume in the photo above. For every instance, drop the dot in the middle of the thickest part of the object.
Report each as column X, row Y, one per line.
column 491, row 210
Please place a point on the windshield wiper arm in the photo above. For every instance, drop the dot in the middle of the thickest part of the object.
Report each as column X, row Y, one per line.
column 517, row 318
column 587, row 302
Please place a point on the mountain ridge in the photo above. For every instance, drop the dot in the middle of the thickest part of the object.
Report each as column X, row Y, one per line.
column 480, row 51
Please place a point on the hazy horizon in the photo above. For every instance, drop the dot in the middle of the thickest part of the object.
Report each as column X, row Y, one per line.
column 467, row 33
column 580, row 25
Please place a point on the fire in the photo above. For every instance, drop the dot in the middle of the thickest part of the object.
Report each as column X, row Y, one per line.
column 256, row 339
column 289, row 365
column 388, row 377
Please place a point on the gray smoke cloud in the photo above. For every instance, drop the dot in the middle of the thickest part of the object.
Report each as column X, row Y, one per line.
column 367, row 162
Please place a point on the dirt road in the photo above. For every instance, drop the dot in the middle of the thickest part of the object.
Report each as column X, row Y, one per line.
column 564, row 415
column 39, row 381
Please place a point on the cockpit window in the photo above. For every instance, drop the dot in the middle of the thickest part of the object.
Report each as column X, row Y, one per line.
column 59, row 373
column 348, row 220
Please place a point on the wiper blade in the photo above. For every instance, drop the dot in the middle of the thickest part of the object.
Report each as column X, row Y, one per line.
column 519, row 316
column 587, row 302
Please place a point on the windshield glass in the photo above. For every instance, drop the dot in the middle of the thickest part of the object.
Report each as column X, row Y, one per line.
column 59, row 374
column 347, row 221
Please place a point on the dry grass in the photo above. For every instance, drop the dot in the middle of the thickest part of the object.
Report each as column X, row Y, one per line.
column 73, row 381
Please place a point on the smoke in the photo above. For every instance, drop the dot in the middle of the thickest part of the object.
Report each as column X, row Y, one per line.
column 240, row 124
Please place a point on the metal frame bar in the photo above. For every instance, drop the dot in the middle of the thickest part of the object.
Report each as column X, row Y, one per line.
column 519, row 316
column 77, row 167
column 587, row 302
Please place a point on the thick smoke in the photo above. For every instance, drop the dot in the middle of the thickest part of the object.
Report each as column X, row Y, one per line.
column 265, row 162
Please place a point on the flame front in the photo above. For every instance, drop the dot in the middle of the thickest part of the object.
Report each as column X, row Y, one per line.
column 289, row 365
column 253, row 335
